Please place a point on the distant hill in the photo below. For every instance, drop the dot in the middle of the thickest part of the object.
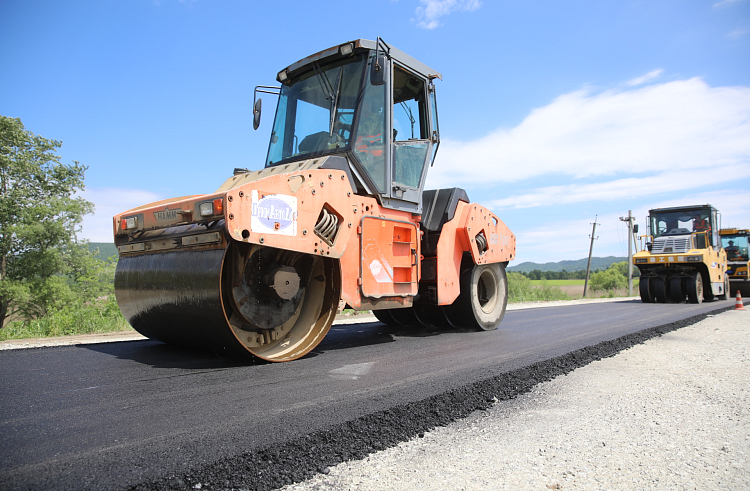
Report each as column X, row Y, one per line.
column 106, row 249
column 596, row 263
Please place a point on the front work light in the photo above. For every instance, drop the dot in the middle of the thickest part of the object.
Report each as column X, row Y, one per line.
column 346, row 49
column 211, row 208
column 282, row 76
column 129, row 223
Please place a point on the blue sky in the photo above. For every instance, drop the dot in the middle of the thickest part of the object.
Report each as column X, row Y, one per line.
column 550, row 112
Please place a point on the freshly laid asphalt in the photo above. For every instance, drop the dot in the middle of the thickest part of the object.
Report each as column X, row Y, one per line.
column 143, row 415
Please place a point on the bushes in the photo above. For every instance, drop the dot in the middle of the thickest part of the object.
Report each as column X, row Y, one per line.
column 610, row 279
column 521, row 290
column 101, row 315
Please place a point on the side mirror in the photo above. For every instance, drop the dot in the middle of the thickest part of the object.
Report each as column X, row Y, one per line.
column 635, row 228
column 256, row 114
column 377, row 70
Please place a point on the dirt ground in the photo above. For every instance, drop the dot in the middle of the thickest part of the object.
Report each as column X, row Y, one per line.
column 576, row 291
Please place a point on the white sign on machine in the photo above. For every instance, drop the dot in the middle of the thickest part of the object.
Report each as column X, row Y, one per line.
column 274, row 214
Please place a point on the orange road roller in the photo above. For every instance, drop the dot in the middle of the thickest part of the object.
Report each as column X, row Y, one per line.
column 338, row 216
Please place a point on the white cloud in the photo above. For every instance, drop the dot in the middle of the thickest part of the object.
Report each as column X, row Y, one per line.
column 738, row 34
column 725, row 3
column 683, row 125
column 628, row 188
column 733, row 205
column 653, row 74
column 109, row 202
column 548, row 241
column 431, row 10
column 570, row 239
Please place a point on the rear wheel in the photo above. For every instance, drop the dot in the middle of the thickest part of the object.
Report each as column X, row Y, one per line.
column 483, row 298
column 660, row 289
column 645, row 288
column 384, row 316
column 405, row 316
column 695, row 287
column 676, row 292
column 430, row 315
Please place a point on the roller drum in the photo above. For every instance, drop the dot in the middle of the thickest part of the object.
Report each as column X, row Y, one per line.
column 175, row 297
column 205, row 299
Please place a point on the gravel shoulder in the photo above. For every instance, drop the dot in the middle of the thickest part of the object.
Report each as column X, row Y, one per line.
column 671, row 413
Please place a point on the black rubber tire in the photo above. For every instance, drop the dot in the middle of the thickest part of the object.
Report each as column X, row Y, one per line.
column 430, row 316
column 694, row 288
column 385, row 317
column 646, row 289
column 726, row 294
column 483, row 299
column 660, row 290
column 405, row 317
column 676, row 291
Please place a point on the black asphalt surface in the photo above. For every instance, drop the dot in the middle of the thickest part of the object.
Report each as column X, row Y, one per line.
column 144, row 415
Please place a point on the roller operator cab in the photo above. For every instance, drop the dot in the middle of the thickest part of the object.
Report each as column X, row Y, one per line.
column 735, row 242
column 683, row 257
column 337, row 216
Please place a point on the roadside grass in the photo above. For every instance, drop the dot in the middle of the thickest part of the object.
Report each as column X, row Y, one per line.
column 104, row 315
column 545, row 290
column 100, row 316
column 557, row 282
column 520, row 289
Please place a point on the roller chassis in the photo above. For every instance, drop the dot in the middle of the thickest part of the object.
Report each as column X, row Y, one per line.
column 263, row 265
column 269, row 332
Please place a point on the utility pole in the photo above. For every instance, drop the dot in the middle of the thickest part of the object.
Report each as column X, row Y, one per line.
column 591, row 249
column 630, row 218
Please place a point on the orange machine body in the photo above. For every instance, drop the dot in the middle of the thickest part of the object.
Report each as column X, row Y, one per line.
column 379, row 249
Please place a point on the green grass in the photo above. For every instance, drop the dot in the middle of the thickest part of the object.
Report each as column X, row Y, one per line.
column 520, row 289
column 96, row 317
column 557, row 282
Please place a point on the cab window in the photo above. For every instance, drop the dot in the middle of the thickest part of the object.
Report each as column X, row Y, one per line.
column 410, row 127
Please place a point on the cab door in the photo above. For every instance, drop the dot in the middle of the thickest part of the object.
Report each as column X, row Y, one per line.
column 411, row 136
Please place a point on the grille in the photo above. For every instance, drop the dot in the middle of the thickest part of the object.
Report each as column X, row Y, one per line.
column 664, row 245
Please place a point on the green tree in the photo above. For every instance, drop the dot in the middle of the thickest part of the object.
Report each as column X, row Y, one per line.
column 622, row 267
column 609, row 279
column 41, row 259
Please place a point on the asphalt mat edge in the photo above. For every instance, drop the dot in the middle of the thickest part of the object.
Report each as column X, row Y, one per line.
column 302, row 458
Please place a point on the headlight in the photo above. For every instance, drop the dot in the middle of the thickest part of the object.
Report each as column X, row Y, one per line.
column 129, row 223
column 207, row 209
column 695, row 259
column 641, row 260
column 211, row 208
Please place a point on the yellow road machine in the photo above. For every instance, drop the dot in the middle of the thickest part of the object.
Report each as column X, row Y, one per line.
column 735, row 243
column 683, row 257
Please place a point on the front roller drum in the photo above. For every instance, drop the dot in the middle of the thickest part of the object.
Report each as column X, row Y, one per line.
column 205, row 299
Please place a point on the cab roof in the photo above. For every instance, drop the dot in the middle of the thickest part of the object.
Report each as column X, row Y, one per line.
column 682, row 208
column 359, row 44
